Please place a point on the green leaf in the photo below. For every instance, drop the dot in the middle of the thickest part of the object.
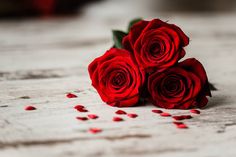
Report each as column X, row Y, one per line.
column 117, row 38
column 212, row 87
column 132, row 22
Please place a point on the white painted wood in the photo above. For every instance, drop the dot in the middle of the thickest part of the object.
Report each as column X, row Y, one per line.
column 45, row 59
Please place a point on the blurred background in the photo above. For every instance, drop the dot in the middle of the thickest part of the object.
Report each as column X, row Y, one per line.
column 29, row 8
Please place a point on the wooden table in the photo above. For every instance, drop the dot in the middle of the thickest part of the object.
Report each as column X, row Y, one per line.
column 41, row 60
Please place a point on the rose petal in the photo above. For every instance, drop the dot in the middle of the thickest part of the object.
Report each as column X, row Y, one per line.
column 120, row 112
column 82, row 110
column 195, row 111
column 70, row 95
column 95, row 130
column 177, row 123
column 132, row 115
column 197, row 68
column 79, row 107
column 30, row 108
column 92, row 116
column 117, row 119
column 82, row 118
column 165, row 114
column 157, row 111
column 186, row 116
column 182, row 126
column 178, row 117
column 182, row 117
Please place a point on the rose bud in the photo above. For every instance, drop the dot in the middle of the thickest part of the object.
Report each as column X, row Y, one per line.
column 117, row 78
column 155, row 45
column 183, row 86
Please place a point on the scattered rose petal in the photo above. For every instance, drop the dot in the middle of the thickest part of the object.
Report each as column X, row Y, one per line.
column 82, row 118
column 178, row 117
column 82, row 110
column 182, row 117
column 117, row 119
column 120, row 112
column 195, row 111
column 165, row 114
column 132, row 115
column 30, row 108
column 92, row 116
column 95, row 130
column 70, row 95
column 186, row 116
column 157, row 111
column 79, row 107
column 177, row 123
column 182, row 126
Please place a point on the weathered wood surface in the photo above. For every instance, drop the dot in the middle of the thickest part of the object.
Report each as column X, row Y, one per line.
column 41, row 60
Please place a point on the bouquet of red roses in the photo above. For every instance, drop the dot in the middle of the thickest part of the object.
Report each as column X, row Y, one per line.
column 144, row 64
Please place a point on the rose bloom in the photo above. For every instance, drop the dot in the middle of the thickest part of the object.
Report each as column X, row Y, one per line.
column 117, row 78
column 182, row 87
column 156, row 45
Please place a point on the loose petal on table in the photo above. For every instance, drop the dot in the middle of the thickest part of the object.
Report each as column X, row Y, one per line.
column 70, row 95
column 117, row 119
column 157, row 111
column 82, row 110
column 79, row 107
column 180, row 125
column 92, row 116
column 120, row 112
column 182, row 117
column 165, row 114
column 95, row 130
column 195, row 111
column 82, row 118
column 132, row 115
column 30, row 108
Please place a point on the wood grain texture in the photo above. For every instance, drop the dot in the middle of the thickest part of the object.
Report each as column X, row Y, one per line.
column 42, row 60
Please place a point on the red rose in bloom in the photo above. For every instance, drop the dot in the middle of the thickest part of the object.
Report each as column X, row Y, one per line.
column 182, row 87
column 117, row 78
column 155, row 44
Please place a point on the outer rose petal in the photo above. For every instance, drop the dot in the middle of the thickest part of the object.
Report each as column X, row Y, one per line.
column 126, row 43
column 183, row 36
column 196, row 67
column 182, row 53
column 102, row 73
column 202, row 101
column 136, row 31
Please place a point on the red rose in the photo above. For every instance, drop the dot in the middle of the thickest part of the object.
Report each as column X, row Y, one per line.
column 117, row 78
column 182, row 87
column 156, row 45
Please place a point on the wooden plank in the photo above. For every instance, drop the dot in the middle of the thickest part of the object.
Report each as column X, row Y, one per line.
column 42, row 60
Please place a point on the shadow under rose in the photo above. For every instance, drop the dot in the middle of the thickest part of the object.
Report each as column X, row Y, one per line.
column 217, row 100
